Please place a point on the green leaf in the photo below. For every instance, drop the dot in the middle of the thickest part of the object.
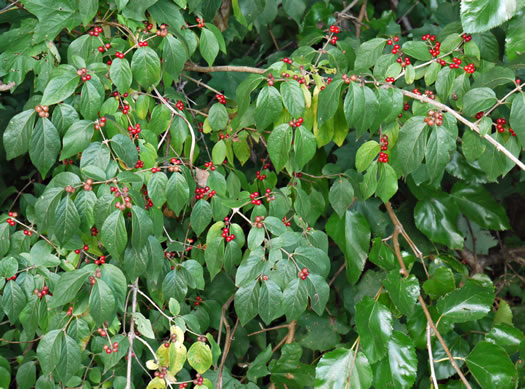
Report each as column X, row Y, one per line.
column 279, row 144
column 125, row 149
column 258, row 367
column 484, row 15
column 49, row 350
column 506, row 336
column 517, row 113
column 53, row 17
column 67, row 220
column 437, row 219
column 445, row 82
column 246, row 301
column 68, row 287
column 315, row 259
column 17, row 135
column 45, row 146
column 143, row 325
column 13, row 301
column 145, row 66
column 77, row 138
column 120, row 73
column 200, row 357
column 360, row 107
column 255, row 237
column 295, row 298
column 374, row 325
column 472, row 302
column 101, row 302
column 341, row 195
column 343, row 368
column 88, row 9
column 318, row 291
column 403, row 292
column 440, row 283
column 41, row 255
column 402, row 359
column 328, row 101
column 114, row 235
column 305, row 147
column 270, row 301
column 62, row 84
column 387, row 184
column 91, row 98
column 26, row 375
column 268, row 108
column 174, row 55
column 201, row 216
column 174, row 285
column 417, row 49
column 478, row 99
column 4, row 239
column 177, row 192
column 366, row 153
column 218, row 116
column 293, row 98
column 214, row 256
column 157, row 189
column 357, row 243
column 209, row 46
column 491, row 366
column 141, row 227
column 368, row 53
column 410, row 146
column 440, row 148
column 478, row 205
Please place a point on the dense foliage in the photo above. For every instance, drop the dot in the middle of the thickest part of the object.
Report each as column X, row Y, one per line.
column 262, row 194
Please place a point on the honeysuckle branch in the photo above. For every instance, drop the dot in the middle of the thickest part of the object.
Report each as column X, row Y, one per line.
column 430, row 357
column 200, row 83
column 288, row 339
column 192, row 67
column 131, row 333
column 473, row 126
column 149, row 348
column 500, row 102
column 395, row 239
column 229, row 337
column 269, row 329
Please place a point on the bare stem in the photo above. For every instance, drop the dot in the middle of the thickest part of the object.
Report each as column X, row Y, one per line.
column 131, row 333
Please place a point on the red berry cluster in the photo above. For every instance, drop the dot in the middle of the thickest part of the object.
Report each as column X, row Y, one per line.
column 107, row 46
column 271, row 79
column 88, row 185
column 296, row 123
column 93, row 279
column 94, row 231
column 69, row 311
column 162, row 31
column 120, row 55
column 102, row 332
column 396, row 46
column 100, row 123
column 300, row 80
column 96, row 31
column 259, row 221
column 155, row 169
column 479, row 115
column 287, row 60
column 198, row 380
column 434, row 118
column 268, row 195
column 254, row 196
column 469, row 68
column 41, row 293
column 434, row 49
column 176, row 162
column 390, row 79
column 200, row 22
column 100, row 261
column 384, row 143
column 162, row 373
column 180, row 105
column 10, row 221
column 107, row 348
column 209, row 165
column 406, row 106
column 226, row 234
column 201, row 192
column 183, row 385
column 28, row 233
column 287, row 222
column 125, row 108
column 466, row 37
column 221, row 98
column 148, row 26
column 69, row 189
column 139, row 164
column 11, row 278
column 67, row 162
column 347, row 79
column 334, row 30
column 500, row 122
column 404, row 62
column 442, row 62
column 82, row 72
column 133, row 131
column 198, row 300
column 42, row 110
column 223, row 136
column 303, row 273
column 260, row 176
column 143, row 43
column 430, row 94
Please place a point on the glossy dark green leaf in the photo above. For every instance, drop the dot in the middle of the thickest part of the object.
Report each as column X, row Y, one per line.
column 491, row 366
column 26, row 375
column 49, row 350
column 270, row 301
column 417, row 49
column 478, row 99
column 246, row 301
column 114, row 235
column 403, row 360
column 410, row 146
column 437, row 219
column 45, row 146
column 293, row 98
column 67, row 220
column 218, row 116
column 13, row 301
column 63, row 84
column 295, row 298
column 214, row 256
column 387, row 184
column 120, row 73
column 440, row 283
column 177, row 192
column 471, row 302
column 141, row 227
column 305, row 147
column 101, row 302
column 357, row 244
column 342, row 368
column 440, row 147
column 404, row 292
column 70, row 283
column 458, row 347
column 315, row 259
column 366, row 153
column 258, row 367
column 209, row 46
column 157, row 189
column 279, row 144
column 444, row 82
column 53, row 17
column 268, row 108
column 77, row 138
column 327, row 101
column 374, row 325
column 91, row 98
column 174, row 55
column 318, row 291
column 360, row 107
column 174, row 285
column 506, row 336
column 368, row 53
column 484, row 15
column 341, row 195
column 125, row 149
column 145, row 67
column 17, row 135
column 517, row 113
column 201, row 215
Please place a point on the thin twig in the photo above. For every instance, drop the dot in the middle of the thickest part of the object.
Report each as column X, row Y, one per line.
column 131, row 333
column 288, row 339
column 358, row 341
column 431, row 358
column 213, row 69
column 200, row 83
column 269, row 329
column 149, row 347
column 395, row 238
column 343, row 266
column 227, row 346
column 20, row 192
